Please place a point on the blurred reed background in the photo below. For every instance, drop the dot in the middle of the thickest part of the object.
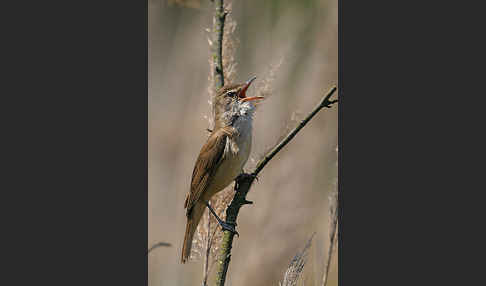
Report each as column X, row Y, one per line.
column 299, row 40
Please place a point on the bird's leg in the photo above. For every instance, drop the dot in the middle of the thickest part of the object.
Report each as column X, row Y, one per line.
column 224, row 225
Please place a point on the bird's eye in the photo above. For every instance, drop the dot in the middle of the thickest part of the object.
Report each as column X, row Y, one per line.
column 231, row 94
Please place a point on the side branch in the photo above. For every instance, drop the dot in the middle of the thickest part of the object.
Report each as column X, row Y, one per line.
column 325, row 102
column 244, row 182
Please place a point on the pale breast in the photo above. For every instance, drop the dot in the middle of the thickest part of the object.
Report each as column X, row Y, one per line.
column 236, row 153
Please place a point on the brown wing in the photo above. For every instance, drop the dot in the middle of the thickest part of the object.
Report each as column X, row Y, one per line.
column 210, row 157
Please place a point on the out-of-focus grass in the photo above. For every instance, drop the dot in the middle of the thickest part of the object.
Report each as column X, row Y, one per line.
column 291, row 197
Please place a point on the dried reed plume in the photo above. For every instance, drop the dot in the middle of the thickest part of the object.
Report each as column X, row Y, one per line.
column 265, row 85
column 230, row 44
column 297, row 265
column 265, row 88
column 208, row 235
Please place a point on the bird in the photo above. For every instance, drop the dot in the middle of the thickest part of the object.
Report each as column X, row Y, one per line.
column 222, row 157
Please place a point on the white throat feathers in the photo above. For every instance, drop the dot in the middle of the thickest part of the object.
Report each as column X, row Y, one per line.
column 242, row 125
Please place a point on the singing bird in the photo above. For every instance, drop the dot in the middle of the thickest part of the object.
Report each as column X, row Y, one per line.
column 222, row 157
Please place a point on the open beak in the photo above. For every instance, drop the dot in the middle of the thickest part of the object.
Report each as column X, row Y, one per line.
column 242, row 93
column 252, row 98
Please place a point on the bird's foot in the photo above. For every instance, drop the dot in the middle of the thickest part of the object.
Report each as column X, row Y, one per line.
column 229, row 227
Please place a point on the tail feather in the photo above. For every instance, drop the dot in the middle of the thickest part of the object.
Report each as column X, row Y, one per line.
column 191, row 226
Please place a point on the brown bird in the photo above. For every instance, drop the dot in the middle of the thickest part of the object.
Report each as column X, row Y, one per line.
column 222, row 157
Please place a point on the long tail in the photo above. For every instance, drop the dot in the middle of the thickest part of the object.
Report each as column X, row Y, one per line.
column 191, row 226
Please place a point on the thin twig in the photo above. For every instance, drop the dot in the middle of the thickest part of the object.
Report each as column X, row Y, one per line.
column 325, row 102
column 166, row 244
column 244, row 182
column 208, row 251
column 333, row 222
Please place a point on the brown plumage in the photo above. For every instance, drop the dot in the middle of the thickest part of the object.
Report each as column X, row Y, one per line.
column 223, row 155
column 210, row 156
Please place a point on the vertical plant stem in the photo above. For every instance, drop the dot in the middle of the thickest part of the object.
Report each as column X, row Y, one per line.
column 208, row 251
column 241, row 187
column 333, row 231
column 218, row 30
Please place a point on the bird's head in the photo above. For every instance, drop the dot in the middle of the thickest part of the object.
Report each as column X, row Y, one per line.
column 231, row 102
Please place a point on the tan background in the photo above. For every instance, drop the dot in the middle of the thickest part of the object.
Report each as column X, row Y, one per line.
column 291, row 197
